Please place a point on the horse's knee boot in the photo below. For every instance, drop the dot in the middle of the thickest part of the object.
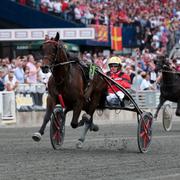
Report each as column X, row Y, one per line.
column 73, row 125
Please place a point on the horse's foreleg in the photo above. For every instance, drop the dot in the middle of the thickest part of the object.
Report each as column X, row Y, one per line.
column 45, row 121
column 162, row 100
column 50, row 105
column 37, row 135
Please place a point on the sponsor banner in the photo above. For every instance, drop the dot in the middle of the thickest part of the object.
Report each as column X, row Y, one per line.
column 39, row 34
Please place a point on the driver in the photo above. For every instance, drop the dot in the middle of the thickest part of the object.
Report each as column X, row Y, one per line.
column 120, row 77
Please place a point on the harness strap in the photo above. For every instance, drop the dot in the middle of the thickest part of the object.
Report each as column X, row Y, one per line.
column 62, row 64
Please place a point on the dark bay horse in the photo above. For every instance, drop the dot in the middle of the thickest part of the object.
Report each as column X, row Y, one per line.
column 68, row 79
column 169, row 85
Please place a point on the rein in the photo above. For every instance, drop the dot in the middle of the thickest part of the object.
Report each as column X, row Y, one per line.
column 61, row 64
column 52, row 66
column 55, row 60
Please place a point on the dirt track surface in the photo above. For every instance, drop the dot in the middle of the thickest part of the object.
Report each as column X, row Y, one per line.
column 110, row 154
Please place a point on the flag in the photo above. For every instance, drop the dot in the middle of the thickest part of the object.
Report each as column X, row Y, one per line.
column 116, row 38
column 101, row 33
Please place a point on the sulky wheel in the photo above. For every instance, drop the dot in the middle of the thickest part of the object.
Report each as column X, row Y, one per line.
column 57, row 127
column 144, row 133
column 167, row 117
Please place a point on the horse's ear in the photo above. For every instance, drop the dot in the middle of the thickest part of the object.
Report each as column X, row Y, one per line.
column 57, row 37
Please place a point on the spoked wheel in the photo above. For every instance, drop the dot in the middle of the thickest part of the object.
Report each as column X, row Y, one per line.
column 167, row 117
column 144, row 134
column 57, row 127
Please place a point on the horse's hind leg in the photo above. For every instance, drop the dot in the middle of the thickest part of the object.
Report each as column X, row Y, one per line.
column 50, row 105
column 87, row 121
column 82, row 138
column 162, row 100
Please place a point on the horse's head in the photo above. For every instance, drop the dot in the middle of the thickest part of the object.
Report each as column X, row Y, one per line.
column 53, row 52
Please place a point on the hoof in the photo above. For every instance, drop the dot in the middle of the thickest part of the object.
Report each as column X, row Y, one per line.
column 79, row 144
column 94, row 128
column 36, row 136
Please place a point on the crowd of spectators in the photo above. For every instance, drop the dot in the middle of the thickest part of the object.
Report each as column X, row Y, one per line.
column 108, row 11
column 151, row 14
column 159, row 30
column 157, row 21
column 139, row 65
column 23, row 69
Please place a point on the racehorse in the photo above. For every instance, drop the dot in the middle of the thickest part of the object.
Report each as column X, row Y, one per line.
column 68, row 79
column 169, row 85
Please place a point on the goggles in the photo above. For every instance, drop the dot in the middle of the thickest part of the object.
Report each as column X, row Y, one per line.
column 113, row 65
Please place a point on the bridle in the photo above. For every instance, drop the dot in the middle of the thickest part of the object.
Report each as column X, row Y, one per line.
column 55, row 62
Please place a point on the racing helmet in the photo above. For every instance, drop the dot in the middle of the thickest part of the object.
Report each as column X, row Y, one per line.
column 114, row 60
